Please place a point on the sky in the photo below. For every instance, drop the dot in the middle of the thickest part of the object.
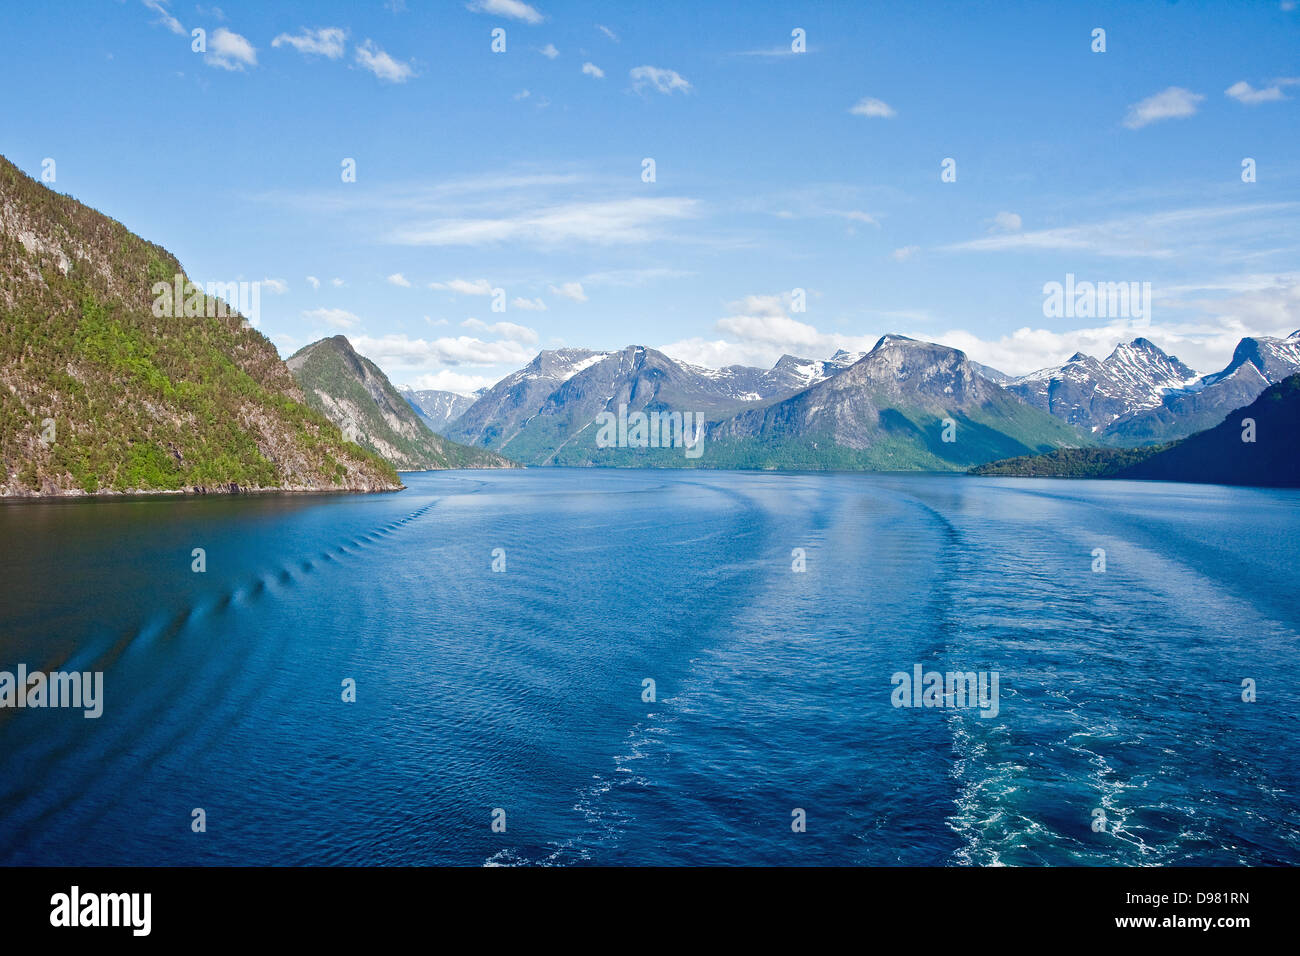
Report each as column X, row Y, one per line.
column 798, row 203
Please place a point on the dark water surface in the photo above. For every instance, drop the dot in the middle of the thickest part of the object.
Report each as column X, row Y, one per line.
column 522, row 690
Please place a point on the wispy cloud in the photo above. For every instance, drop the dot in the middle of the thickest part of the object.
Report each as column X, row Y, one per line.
column 464, row 286
column 1243, row 92
column 1172, row 103
column 608, row 32
column 510, row 9
column 372, row 58
column 507, row 330
column 1160, row 235
column 528, row 305
column 325, row 41
column 870, row 106
column 549, row 51
column 165, row 17
column 665, row 81
column 570, row 290
column 591, row 69
column 398, row 279
column 618, row 221
column 1007, row 222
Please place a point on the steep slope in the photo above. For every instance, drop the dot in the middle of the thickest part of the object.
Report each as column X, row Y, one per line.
column 993, row 375
column 438, row 409
column 500, row 413
column 1256, row 363
column 1092, row 394
column 1218, row 455
column 887, row 412
column 97, row 393
column 352, row 392
column 546, row 413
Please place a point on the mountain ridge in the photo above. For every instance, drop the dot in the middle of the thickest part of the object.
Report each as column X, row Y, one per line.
column 104, row 391
column 352, row 391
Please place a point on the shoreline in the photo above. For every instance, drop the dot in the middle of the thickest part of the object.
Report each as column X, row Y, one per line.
column 78, row 494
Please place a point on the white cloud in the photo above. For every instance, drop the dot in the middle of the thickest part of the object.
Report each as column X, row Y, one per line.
column 372, row 58
column 615, row 221
column 1007, row 222
column 464, row 286
column 325, row 41
column 528, row 305
column 758, row 332
column 507, row 330
column 665, row 81
column 511, row 9
column 523, row 95
column 607, row 31
column 1243, row 92
column 165, row 17
column 399, row 351
column 313, row 282
column 1172, row 103
column 340, row 318
column 870, row 106
column 337, row 283
column 570, row 290
column 549, row 51
column 445, row 380
column 398, row 279
column 1159, row 235
column 591, row 69
column 276, row 286
column 229, row 51
column 906, row 252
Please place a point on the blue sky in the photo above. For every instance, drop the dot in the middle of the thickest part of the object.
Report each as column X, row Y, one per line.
column 775, row 170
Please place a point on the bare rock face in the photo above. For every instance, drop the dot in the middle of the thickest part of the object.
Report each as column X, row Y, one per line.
column 1141, row 395
column 352, row 392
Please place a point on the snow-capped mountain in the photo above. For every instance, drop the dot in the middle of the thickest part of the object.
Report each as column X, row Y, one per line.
column 437, row 408
column 1092, row 394
column 890, row 410
column 1139, row 394
column 1257, row 363
column 543, row 412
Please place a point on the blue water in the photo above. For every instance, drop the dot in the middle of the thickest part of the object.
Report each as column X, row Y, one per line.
column 522, row 689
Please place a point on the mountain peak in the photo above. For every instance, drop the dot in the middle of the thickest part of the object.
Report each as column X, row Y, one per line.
column 891, row 338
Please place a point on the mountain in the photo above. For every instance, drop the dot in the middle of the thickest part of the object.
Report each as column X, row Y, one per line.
column 1139, row 395
column 438, row 409
column 108, row 385
column 1256, row 363
column 352, row 392
column 1093, row 394
column 1218, row 455
column 993, row 375
column 545, row 412
column 889, row 411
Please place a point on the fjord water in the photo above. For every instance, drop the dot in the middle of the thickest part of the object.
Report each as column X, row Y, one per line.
column 522, row 689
